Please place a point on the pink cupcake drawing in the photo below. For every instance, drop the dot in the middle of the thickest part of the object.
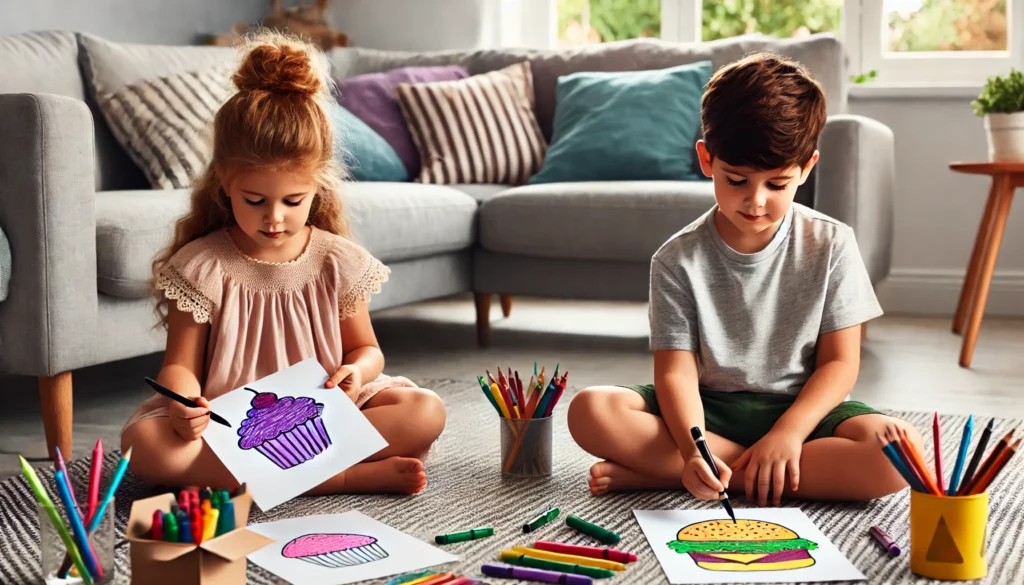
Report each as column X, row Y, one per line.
column 334, row 551
column 288, row 431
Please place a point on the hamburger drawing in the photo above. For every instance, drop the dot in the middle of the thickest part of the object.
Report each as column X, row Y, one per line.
column 747, row 545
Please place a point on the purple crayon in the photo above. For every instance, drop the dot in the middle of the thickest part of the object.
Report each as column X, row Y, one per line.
column 510, row 572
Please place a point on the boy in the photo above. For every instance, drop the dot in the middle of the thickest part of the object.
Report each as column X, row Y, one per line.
column 755, row 311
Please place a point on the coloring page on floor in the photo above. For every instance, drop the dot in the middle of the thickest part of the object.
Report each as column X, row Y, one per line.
column 765, row 545
column 289, row 434
column 343, row 548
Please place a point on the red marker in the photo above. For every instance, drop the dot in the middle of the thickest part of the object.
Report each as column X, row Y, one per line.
column 158, row 525
column 592, row 552
column 94, row 478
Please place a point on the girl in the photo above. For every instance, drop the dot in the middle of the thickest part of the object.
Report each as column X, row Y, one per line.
column 260, row 275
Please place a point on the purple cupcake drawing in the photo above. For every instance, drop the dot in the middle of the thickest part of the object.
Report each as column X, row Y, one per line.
column 288, row 431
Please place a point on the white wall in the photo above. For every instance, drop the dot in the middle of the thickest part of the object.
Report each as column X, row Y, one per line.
column 417, row 25
column 937, row 210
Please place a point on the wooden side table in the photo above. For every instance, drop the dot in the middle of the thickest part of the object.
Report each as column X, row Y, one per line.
column 974, row 294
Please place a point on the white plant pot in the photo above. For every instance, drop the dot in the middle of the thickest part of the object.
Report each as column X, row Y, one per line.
column 1005, row 137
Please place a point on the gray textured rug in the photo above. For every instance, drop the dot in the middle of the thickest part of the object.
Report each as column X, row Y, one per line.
column 467, row 490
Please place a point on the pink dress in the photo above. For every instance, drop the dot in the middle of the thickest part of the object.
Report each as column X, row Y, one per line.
column 267, row 316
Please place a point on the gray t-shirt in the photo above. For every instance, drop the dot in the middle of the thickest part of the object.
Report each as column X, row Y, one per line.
column 754, row 319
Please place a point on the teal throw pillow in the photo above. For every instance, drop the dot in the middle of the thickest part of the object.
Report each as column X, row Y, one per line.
column 621, row 126
column 365, row 153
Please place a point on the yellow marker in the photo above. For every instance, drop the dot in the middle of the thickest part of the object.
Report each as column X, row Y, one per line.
column 501, row 404
column 571, row 559
column 210, row 524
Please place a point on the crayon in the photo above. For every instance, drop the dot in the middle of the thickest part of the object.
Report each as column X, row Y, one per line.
column 540, row 520
column 402, row 579
column 979, row 452
column 985, row 479
column 210, row 525
column 170, row 528
column 437, row 579
column 514, row 558
column 510, row 572
column 158, row 525
column 883, row 539
column 937, row 442
column 185, row 529
column 474, row 534
column 593, row 530
column 961, row 457
column 592, row 552
column 51, row 512
column 571, row 559
column 226, row 521
column 77, row 526
column 460, row 581
column 196, row 521
column 95, row 471
column 423, row 579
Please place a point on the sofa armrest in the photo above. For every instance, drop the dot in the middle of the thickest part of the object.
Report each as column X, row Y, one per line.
column 5, row 265
column 856, row 183
column 48, row 210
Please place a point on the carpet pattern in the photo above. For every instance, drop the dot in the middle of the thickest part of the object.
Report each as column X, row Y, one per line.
column 466, row 489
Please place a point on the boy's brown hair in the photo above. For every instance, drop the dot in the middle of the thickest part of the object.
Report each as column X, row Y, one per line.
column 764, row 112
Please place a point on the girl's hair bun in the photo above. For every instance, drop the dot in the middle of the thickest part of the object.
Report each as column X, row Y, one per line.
column 278, row 64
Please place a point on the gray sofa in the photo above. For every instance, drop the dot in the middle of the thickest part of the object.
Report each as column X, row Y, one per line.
column 83, row 225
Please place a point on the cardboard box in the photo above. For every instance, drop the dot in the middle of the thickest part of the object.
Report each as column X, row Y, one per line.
column 219, row 561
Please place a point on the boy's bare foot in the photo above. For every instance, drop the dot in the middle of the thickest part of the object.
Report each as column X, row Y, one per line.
column 400, row 475
column 606, row 476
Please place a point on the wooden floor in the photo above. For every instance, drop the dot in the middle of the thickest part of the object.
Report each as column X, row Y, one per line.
column 907, row 363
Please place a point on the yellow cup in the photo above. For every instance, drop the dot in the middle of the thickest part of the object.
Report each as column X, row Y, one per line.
column 948, row 536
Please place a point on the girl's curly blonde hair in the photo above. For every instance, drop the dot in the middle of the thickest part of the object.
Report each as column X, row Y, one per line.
column 277, row 120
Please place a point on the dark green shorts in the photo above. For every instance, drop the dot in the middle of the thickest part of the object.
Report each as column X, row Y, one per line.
column 745, row 417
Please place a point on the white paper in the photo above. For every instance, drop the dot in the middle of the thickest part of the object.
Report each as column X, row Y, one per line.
column 392, row 552
column 826, row 562
column 350, row 437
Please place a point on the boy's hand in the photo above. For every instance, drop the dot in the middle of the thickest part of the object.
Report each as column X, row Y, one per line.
column 349, row 379
column 767, row 462
column 701, row 482
column 189, row 423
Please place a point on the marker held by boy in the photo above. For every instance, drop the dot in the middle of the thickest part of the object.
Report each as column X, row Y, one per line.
column 705, row 452
column 979, row 451
column 958, row 467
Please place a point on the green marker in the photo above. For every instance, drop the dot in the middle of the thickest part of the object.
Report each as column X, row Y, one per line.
column 545, row 516
column 604, row 535
column 170, row 528
column 535, row 563
column 51, row 512
column 464, row 536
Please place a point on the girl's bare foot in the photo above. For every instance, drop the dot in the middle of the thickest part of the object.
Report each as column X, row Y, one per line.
column 399, row 475
column 606, row 476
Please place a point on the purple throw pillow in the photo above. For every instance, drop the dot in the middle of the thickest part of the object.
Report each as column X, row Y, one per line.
column 371, row 97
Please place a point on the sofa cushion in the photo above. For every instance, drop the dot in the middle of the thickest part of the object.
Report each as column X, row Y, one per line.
column 403, row 221
column 480, row 192
column 821, row 53
column 365, row 154
column 41, row 62
column 132, row 227
column 351, row 61
column 394, row 221
column 372, row 99
column 476, row 130
column 606, row 129
column 611, row 220
column 107, row 66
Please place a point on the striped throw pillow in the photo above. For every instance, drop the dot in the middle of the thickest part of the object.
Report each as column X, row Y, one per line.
column 481, row 129
column 165, row 124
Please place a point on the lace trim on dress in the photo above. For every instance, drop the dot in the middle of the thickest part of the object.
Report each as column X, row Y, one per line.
column 367, row 285
column 188, row 297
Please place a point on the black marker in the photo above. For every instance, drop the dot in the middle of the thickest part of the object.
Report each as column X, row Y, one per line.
column 702, row 446
column 185, row 401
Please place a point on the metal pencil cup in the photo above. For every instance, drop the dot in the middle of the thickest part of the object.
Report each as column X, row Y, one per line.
column 53, row 553
column 526, row 446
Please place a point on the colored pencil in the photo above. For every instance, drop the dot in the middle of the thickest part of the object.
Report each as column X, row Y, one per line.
column 918, row 461
column 982, row 484
column 890, row 452
column 500, row 399
column 987, row 464
column 937, row 440
column 95, row 471
column 979, row 451
column 958, row 467
column 519, row 392
column 487, row 393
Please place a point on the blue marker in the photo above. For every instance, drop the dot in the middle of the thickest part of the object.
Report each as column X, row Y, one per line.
column 965, row 443
column 76, row 527
column 114, row 482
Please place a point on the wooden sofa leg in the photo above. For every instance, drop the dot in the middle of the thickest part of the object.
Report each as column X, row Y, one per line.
column 55, row 398
column 506, row 305
column 483, row 318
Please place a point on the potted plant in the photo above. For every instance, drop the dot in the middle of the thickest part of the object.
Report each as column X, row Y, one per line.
column 1002, row 104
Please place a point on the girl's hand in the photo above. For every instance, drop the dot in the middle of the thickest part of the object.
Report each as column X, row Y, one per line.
column 190, row 423
column 767, row 462
column 349, row 379
column 701, row 482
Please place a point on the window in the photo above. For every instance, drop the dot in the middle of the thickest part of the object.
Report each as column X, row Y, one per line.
column 584, row 22
column 781, row 18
